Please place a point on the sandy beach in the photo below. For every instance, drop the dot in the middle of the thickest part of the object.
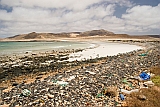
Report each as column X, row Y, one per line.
column 51, row 80
column 103, row 49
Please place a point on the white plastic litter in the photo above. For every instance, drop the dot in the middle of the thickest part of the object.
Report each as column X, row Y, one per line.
column 71, row 78
column 61, row 83
column 141, row 84
column 137, row 78
column 93, row 73
column 151, row 74
column 149, row 83
column 129, row 92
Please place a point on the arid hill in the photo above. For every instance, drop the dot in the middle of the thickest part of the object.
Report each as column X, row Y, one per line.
column 35, row 35
column 101, row 32
column 154, row 36
column 96, row 34
column 32, row 35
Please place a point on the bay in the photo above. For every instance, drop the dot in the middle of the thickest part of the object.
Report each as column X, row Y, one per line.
column 7, row 48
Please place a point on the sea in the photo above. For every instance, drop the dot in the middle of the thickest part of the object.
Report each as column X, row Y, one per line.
column 8, row 48
column 91, row 49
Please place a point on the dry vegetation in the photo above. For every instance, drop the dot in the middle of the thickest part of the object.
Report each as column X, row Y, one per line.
column 152, row 94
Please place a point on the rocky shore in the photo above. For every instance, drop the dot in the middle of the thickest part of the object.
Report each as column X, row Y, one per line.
column 11, row 66
column 95, row 82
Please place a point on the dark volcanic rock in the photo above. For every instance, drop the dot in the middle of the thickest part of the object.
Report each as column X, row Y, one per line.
column 14, row 84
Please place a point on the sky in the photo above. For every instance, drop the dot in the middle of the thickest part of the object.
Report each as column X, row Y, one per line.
column 134, row 17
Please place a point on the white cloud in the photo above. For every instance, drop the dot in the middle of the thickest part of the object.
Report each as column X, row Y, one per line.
column 73, row 15
column 143, row 17
column 71, row 4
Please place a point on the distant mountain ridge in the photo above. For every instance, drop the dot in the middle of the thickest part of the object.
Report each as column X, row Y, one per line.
column 35, row 35
column 96, row 32
column 155, row 36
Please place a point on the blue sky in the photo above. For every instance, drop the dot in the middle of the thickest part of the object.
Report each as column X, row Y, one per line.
column 134, row 17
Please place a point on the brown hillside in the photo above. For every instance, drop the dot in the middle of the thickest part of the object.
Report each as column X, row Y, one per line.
column 96, row 32
column 32, row 35
column 35, row 35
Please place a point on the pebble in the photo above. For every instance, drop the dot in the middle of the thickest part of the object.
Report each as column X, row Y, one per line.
column 50, row 96
column 82, row 88
column 142, row 97
column 38, row 77
column 15, row 84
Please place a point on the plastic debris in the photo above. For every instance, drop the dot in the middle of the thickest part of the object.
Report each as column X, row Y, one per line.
column 99, row 95
column 93, row 73
column 143, row 54
column 71, row 78
column 130, row 85
column 26, row 92
column 129, row 92
column 122, row 60
column 122, row 97
column 144, row 76
column 136, row 78
column 149, row 83
column 41, row 101
column 62, row 83
column 151, row 74
column 125, row 81
column 141, row 84
column 116, row 103
column 54, row 81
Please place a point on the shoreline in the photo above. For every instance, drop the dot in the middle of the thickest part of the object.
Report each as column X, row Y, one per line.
column 100, row 72
column 47, row 49
column 104, row 49
column 65, row 54
column 81, row 40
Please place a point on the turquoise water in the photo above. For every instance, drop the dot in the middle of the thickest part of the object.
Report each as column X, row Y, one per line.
column 22, row 47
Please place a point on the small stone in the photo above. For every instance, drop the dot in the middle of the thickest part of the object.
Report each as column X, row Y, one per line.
column 38, row 77
column 15, row 84
column 50, row 96
column 141, row 97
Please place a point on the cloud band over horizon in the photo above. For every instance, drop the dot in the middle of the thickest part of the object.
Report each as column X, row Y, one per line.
column 118, row 16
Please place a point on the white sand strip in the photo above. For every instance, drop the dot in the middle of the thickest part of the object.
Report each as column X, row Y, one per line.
column 103, row 49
